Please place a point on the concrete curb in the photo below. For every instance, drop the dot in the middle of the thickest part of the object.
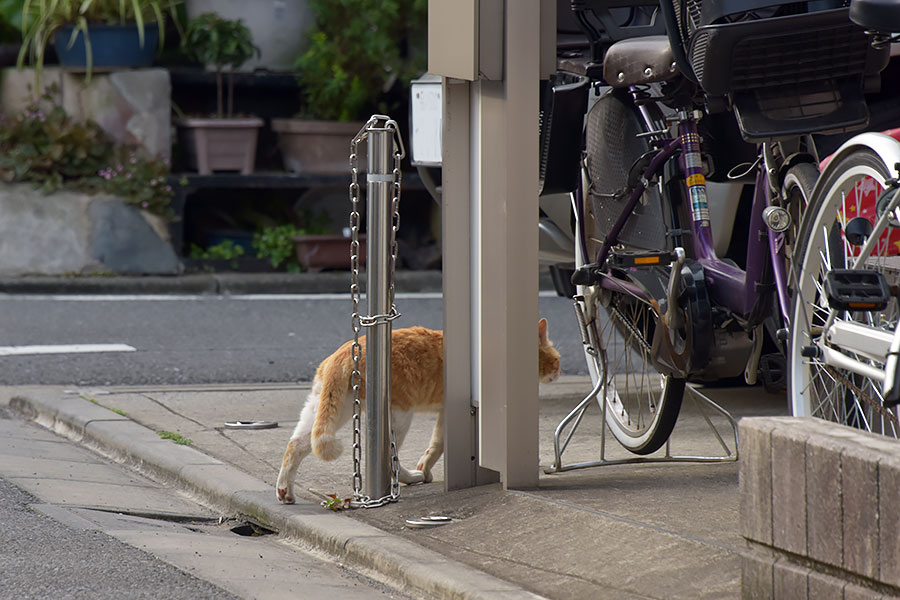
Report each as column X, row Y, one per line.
column 387, row 558
column 213, row 283
column 332, row 282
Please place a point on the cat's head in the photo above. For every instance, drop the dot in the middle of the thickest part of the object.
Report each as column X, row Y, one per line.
column 548, row 356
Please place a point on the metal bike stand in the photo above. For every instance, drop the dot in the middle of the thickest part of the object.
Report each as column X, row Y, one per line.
column 577, row 414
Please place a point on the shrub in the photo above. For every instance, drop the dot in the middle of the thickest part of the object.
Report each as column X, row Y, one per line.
column 45, row 146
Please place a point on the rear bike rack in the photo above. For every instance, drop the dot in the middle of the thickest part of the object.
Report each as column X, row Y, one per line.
column 561, row 439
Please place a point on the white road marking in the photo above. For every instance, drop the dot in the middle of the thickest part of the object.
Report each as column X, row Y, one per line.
column 64, row 349
column 195, row 297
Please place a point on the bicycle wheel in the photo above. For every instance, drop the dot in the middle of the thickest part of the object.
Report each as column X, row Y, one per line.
column 853, row 189
column 642, row 405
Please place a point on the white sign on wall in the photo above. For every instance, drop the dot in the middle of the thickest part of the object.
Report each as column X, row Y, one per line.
column 426, row 106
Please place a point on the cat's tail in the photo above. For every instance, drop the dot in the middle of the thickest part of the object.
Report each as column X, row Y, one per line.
column 335, row 380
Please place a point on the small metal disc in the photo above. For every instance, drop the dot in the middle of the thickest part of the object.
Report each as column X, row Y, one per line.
column 251, row 424
column 428, row 521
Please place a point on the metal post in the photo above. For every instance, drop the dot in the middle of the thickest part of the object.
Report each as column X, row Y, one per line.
column 379, row 181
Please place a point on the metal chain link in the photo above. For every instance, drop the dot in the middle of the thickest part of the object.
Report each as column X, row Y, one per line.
column 867, row 399
column 360, row 321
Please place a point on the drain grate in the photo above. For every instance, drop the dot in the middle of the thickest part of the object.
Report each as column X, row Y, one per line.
column 251, row 530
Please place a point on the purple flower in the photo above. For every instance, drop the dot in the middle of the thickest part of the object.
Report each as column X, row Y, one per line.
column 145, row 204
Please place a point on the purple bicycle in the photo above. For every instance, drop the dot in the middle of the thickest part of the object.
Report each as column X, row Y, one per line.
column 690, row 201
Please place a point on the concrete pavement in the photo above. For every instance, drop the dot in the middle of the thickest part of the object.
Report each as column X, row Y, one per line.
column 626, row 532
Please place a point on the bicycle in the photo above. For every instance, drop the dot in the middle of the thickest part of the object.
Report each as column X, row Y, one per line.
column 687, row 81
column 845, row 344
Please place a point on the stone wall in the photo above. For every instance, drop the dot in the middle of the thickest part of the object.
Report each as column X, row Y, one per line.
column 820, row 510
column 74, row 233
column 132, row 106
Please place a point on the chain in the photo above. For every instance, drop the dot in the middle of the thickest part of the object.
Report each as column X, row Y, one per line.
column 356, row 349
column 867, row 399
column 629, row 325
column 360, row 321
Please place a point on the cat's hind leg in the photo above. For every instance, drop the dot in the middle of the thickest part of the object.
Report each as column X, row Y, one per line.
column 298, row 448
column 400, row 422
column 435, row 449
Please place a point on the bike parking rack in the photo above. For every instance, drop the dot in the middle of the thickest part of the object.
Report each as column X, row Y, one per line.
column 576, row 415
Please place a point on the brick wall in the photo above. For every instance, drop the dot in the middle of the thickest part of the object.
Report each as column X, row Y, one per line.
column 820, row 510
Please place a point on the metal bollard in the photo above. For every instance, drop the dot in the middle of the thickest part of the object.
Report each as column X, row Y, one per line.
column 379, row 181
column 383, row 200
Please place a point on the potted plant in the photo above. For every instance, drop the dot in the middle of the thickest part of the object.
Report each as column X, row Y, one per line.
column 358, row 50
column 307, row 245
column 94, row 33
column 278, row 44
column 317, row 252
column 223, row 142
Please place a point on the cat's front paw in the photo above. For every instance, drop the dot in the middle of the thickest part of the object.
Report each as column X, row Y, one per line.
column 421, row 467
column 284, row 495
column 410, row 477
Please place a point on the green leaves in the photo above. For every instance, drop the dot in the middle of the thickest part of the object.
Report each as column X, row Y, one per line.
column 356, row 52
column 175, row 437
column 44, row 146
column 216, row 41
column 219, row 42
column 276, row 244
column 42, row 18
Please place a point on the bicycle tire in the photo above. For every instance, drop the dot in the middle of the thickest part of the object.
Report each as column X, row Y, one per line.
column 642, row 405
column 818, row 389
column 797, row 191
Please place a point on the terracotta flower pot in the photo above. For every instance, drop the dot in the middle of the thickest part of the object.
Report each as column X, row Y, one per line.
column 318, row 252
column 220, row 144
column 318, row 146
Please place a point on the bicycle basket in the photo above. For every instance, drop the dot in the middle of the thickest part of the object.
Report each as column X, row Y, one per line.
column 789, row 67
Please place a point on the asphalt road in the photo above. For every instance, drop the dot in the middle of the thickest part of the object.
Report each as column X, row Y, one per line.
column 42, row 558
column 205, row 339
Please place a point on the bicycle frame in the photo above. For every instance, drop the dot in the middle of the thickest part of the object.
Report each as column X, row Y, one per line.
column 729, row 286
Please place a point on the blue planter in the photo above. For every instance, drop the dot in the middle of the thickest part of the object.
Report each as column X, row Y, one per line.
column 111, row 46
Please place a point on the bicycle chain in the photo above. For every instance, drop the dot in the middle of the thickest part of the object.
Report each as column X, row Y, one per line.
column 627, row 323
column 866, row 398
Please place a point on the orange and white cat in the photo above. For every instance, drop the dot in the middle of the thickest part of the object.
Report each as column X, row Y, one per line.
column 417, row 384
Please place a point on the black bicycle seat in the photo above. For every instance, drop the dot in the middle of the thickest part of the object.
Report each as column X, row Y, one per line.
column 877, row 15
column 639, row 60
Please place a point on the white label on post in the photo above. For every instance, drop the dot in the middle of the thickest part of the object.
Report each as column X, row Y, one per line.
column 426, row 124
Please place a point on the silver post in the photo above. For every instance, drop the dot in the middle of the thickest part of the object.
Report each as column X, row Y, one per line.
column 379, row 180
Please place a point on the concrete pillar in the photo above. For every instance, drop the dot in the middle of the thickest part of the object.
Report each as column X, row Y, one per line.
column 490, row 195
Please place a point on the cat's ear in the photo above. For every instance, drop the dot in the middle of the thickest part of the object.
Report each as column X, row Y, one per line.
column 542, row 332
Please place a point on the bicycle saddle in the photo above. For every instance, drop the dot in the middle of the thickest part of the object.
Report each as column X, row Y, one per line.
column 877, row 15
column 639, row 60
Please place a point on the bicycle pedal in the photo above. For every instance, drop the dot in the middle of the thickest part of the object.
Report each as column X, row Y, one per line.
column 851, row 289
column 625, row 259
column 773, row 371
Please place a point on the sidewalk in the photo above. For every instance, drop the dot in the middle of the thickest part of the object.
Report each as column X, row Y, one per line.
column 623, row 532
